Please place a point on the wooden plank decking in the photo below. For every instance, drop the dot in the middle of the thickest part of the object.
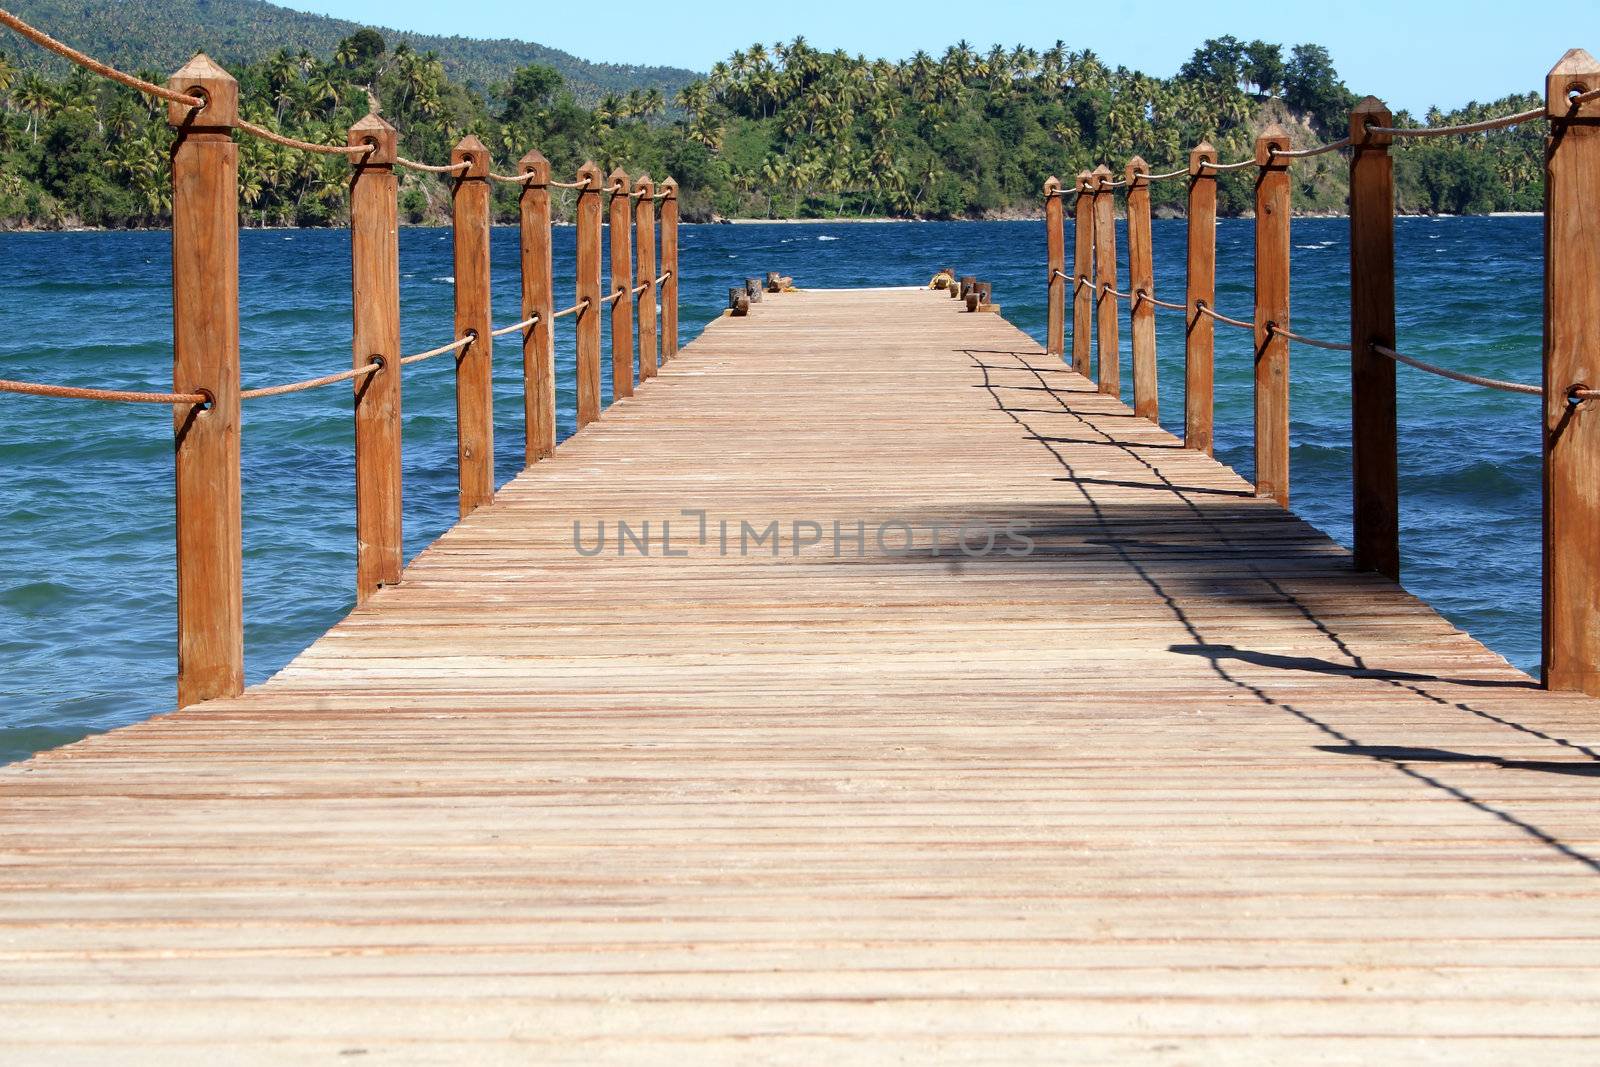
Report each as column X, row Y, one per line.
column 1176, row 787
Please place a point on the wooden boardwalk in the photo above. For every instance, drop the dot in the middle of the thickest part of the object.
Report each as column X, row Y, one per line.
column 1177, row 786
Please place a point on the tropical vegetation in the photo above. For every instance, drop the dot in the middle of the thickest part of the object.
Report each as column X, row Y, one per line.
column 779, row 131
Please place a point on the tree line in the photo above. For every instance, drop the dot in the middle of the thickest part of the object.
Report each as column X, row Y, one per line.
column 780, row 132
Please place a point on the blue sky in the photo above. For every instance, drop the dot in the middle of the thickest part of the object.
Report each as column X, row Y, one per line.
column 1412, row 53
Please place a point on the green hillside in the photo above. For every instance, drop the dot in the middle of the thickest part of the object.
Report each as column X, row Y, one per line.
column 160, row 34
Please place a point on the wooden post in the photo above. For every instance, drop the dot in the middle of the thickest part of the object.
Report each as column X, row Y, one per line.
column 1201, row 271
column 205, row 359
column 1082, row 271
column 1142, row 287
column 475, row 362
column 1375, row 481
column 538, row 298
column 588, row 294
column 1572, row 361
column 1272, row 309
column 644, row 227
column 620, row 219
column 1105, row 268
column 1056, row 284
column 375, row 336
column 669, row 267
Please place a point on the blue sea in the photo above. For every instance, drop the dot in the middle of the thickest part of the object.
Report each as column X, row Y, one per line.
column 87, row 591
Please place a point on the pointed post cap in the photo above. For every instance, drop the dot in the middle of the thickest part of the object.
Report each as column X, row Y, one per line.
column 1085, row 181
column 471, row 151
column 1136, row 173
column 202, row 77
column 1099, row 176
column 1370, row 111
column 1052, row 186
column 590, row 176
column 617, row 180
column 535, row 164
column 644, row 186
column 1576, row 72
column 374, row 131
column 1273, row 139
column 1199, row 154
column 669, row 188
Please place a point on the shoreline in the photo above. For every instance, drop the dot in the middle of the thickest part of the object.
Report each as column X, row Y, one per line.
column 868, row 221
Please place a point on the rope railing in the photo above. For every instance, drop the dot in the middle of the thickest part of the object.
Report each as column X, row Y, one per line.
column 432, row 168
column 312, row 383
column 275, row 137
column 1332, row 346
column 614, row 296
column 1163, row 303
column 1307, row 153
column 1210, row 312
column 418, row 357
column 115, row 396
column 579, row 184
column 564, row 312
column 44, row 40
column 512, row 179
column 663, row 277
column 1458, row 376
column 515, row 326
column 641, row 287
column 1180, row 172
column 1207, row 164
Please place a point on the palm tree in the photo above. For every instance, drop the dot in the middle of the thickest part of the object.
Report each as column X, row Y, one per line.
column 35, row 97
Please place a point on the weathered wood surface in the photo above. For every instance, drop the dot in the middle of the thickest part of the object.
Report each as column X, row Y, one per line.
column 1179, row 787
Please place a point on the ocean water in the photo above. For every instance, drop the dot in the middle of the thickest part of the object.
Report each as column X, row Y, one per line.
column 87, row 593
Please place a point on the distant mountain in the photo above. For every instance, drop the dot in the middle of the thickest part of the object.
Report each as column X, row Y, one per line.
column 160, row 35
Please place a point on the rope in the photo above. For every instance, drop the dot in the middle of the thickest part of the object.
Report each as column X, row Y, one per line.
column 441, row 350
column 1331, row 346
column 1470, row 127
column 512, row 179
column 1163, row 303
column 1243, row 163
column 119, row 396
column 1455, row 375
column 515, row 326
column 44, row 40
column 579, row 306
column 1306, row 153
column 571, row 185
column 613, row 298
column 1109, row 184
column 305, row 146
column 443, row 168
column 1161, row 177
column 663, row 277
column 311, row 383
column 1113, row 291
column 1205, row 309
column 641, row 287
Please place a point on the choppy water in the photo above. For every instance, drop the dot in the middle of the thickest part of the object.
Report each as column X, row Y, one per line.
column 86, row 591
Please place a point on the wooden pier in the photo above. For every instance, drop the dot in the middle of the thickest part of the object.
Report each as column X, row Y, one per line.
column 1177, row 785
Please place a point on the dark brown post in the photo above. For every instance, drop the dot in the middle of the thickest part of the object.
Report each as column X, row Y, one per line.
column 538, row 298
column 1375, row 481
column 588, row 294
column 1082, row 273
column 1571, row 362
column 1202, row 289
column 475, row 362
column 669, row 267
column 620, row 223
column 1105, row 269
column 1272, row 309
column 375, row 337
column 1142, row 288
column 644, row 227
column 1055, row 251
column 205, row 359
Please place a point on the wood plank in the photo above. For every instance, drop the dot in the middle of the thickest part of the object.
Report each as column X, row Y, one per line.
column 1179, row 785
